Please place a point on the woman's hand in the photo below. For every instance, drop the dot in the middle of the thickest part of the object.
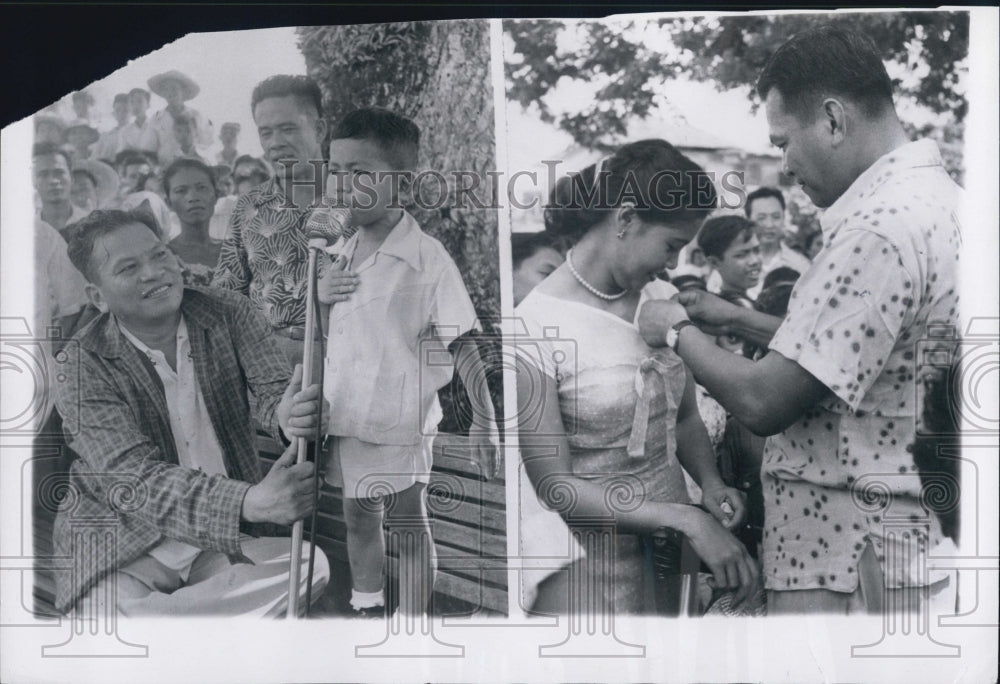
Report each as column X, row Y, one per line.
column 726, row 504
column 731, row 565
column 336, row 284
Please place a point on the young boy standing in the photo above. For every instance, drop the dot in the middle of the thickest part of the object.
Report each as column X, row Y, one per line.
column 395, row 338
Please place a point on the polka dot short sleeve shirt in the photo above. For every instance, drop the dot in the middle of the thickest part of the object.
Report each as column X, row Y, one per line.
column 858, row 320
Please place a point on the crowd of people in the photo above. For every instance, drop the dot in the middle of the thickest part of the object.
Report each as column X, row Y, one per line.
column 741, row 398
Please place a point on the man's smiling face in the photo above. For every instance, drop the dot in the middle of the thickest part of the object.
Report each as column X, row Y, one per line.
column 137, row 277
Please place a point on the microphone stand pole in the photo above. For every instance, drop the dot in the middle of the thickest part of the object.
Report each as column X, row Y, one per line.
column 295, row 563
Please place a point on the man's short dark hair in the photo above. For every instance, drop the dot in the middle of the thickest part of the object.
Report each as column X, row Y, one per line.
column 182, row 163
column 97, row 225
column 140, row 91
column 761, row 193
column 301, row 87
column 47, row 149
column 823, row 61
column 717, row 234
column 397, row 136
column 127, row 158
column 121, row 97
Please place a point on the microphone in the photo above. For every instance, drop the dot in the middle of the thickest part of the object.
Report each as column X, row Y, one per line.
column 328, row 225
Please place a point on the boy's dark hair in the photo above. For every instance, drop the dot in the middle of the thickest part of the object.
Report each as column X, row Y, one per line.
column 823, row 61
column 140, row 91
column 127, row 158
column 46, row 149
column 782, row 274
column 761, row 193
column 664, row 184
column 182, row 163
column 397, row 136
column 717, row 234
column 96, row 225
column 121, row 97
column 524, row 245
column 302, row 88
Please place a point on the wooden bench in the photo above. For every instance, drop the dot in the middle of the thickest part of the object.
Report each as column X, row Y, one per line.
column 468, row 524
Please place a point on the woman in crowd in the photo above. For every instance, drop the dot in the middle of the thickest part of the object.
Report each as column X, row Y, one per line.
column 192, row 194
column 607, row 422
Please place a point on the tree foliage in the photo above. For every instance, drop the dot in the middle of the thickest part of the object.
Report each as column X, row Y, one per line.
column 630, row 60
column 438, row 74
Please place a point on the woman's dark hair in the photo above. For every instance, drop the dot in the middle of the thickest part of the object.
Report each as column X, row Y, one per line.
column 182, row 163
column 663, row 184
column 96, row 225
column 524, row 245
column 827, row 60
column 716, row 234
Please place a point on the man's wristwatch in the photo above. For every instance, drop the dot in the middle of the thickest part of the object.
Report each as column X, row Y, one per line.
column 673, row 335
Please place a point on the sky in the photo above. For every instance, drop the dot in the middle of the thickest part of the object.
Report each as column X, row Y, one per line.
column 226, row 65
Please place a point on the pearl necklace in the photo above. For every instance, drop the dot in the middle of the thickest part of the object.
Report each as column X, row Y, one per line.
column 590, row 288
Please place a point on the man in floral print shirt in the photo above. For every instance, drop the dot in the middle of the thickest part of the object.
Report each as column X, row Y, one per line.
column 265, row 253
column 837, row 392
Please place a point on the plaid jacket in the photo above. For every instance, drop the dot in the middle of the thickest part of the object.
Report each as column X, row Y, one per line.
column 127, row 490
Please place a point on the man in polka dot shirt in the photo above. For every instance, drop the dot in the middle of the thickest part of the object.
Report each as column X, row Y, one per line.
column 837, row 393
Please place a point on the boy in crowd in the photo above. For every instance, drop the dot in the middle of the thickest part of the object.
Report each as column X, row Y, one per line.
column 731, row 248
column 384, row 362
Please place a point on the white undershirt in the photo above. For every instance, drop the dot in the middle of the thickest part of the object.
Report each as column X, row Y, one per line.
column 195, row 439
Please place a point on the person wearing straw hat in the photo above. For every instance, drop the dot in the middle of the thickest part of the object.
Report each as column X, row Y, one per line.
column 227, row 136
column 95, row 184
column 112, row 142
column 140, row 134
column 177, row 88
column 80, row 135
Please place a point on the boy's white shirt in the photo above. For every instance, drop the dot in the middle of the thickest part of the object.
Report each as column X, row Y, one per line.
column 387, row 347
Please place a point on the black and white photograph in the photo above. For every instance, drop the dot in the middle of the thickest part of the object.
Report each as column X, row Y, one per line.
column 269, row 327
column 557, row 345
column 779, row 233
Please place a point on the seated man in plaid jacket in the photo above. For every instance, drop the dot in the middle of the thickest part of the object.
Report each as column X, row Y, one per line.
column 166, row 488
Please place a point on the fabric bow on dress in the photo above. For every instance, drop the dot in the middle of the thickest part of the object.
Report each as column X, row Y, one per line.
column 653, row 373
